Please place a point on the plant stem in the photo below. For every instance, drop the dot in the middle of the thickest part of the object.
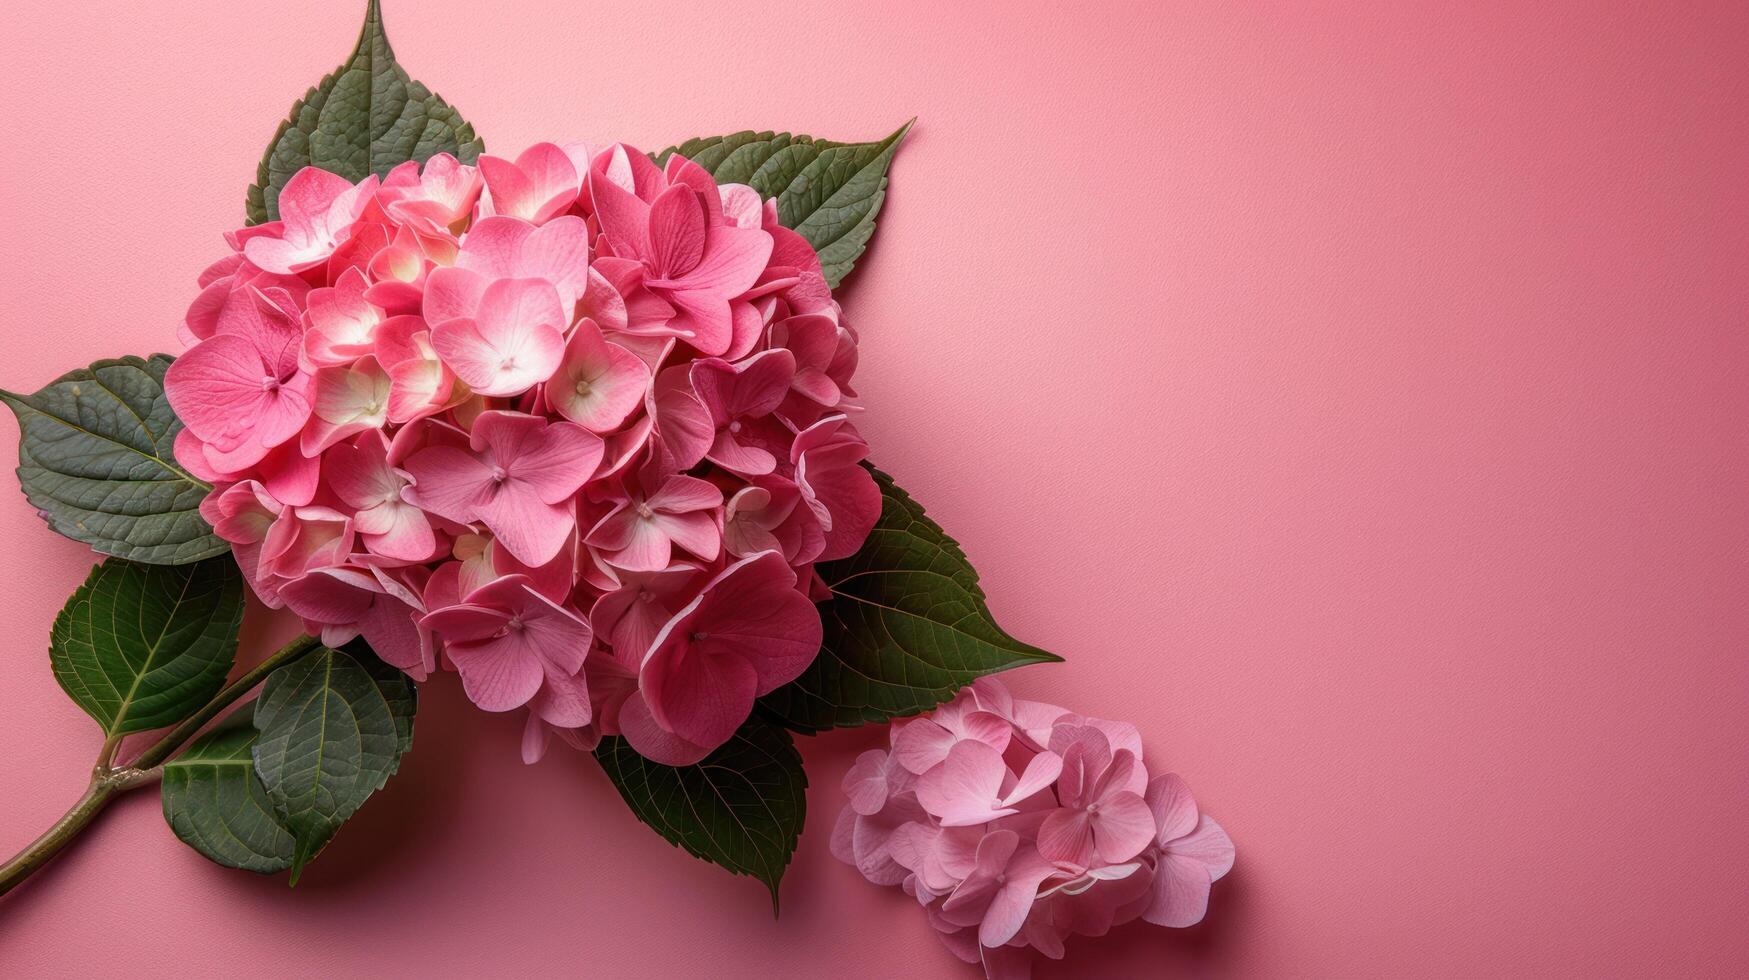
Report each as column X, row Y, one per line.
column 163, row 748
column 103, row 788
column 108, row 782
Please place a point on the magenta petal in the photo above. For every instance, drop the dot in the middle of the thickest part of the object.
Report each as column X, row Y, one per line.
column 700, row 697
column 677, row 232
column 651, row 740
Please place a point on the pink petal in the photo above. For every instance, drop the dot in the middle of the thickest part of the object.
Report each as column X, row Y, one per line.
column 700, row 697
column 1041, row 772
column 695, row 531
column 1208, row 844
column 962, row 790
column 651, row 740
column 497, row 674
column 564, row 699
column 625, row 219
column 561, row 459
column 1122, row 828
column 448, row 482
column 1066, row 835
column 1014, row 899
column 1173, row 807
column 514, row 341
column 921, row 744
column 1180, row 892
column 677, row 232
column 866, row 782
column 452, row 293
column 532, row 530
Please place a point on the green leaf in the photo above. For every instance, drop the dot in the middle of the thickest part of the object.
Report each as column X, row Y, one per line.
column 333, row 728
column 96, row 458
column 145, row 646
column 906, row 627
column 214, row 803
column 829, row 192
column 741, row 807
column 365, row 118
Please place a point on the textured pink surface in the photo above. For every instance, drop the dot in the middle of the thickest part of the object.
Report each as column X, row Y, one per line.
column 1356, row 397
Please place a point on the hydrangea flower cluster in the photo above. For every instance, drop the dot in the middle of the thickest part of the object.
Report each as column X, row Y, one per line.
column 573, row 425
column 1016, row 824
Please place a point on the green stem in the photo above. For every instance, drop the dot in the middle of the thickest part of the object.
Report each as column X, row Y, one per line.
column 167, row 745
column 108, row 782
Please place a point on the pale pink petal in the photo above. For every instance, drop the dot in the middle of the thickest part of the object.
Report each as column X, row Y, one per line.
column 1173, row 807
column 1014, row 898
column 1208, row 844
column 866, row 782
column 963, row 789
column 1122, row 827
column 921, row 744
column 1180, row 892
column 695, row 531
column 1066, row 835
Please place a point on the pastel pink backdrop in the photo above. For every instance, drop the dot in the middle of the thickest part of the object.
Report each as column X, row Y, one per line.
column 1355, row 394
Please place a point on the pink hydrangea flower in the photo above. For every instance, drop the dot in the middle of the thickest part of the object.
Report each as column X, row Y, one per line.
column 242, row 391
column 541, row 183
column 517, row 477
column 692, row 258
column 573, row 425
column 317, row 211
column 514, row 646
column 746, row 633
column 342, row 322
column 513, row 341
column 640, row 533
column 598, row 383
column 1008, row 867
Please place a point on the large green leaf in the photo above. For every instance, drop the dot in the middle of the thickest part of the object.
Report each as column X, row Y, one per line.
column 741, row 807
column 144, row 646
column 333, row 728
column 906, row 627
column 365, row 118
column 96, row 458
column 829, row 192
column 213, row 801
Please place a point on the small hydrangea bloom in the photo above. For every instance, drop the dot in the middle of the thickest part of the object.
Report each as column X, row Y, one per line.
column 1018, row 824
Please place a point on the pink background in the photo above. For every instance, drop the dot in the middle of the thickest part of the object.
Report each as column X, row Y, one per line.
column 1355, row 396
